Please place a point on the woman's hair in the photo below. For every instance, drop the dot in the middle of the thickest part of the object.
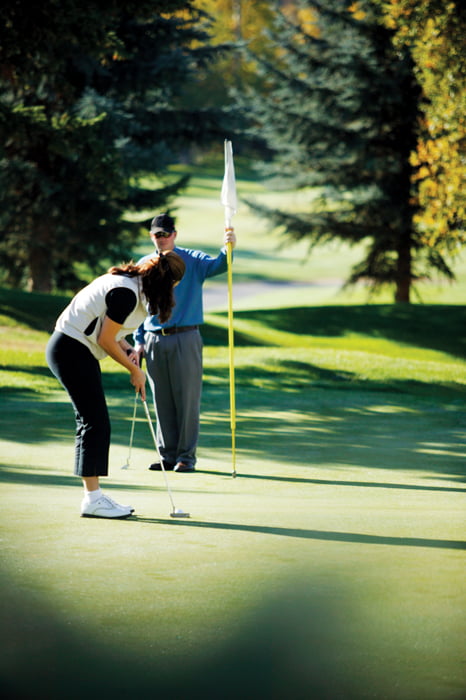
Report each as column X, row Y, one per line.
column 158, row 277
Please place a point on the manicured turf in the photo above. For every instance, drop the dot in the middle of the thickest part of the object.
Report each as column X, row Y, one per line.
column 334, row 561
column 334, row 557
column 333, row 566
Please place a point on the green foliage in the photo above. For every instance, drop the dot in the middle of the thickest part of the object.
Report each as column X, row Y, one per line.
column 340, row 111
column 236, row 23
column 434, row 33
column 89, row 104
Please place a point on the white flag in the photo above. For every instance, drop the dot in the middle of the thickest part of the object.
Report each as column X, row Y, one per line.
column 228, row 196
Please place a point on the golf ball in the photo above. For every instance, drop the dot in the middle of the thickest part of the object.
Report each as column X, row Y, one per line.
column 178, row 510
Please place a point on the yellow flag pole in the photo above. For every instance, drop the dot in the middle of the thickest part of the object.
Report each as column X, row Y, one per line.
column 231, row 346
column 228, row 198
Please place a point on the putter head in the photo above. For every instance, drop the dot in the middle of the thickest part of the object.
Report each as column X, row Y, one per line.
column 178, row 513
column 125, row 466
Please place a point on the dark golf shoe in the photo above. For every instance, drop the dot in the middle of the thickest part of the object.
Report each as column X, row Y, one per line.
column 157, row 467
column 181, row 467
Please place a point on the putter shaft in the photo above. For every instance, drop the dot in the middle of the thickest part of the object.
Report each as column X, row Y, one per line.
column 125, row 466
column 174, row 513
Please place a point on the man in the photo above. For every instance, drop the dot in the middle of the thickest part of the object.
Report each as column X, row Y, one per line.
column 173, row 350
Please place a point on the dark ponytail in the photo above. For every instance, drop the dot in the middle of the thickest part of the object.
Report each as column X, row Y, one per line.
column 158, row 277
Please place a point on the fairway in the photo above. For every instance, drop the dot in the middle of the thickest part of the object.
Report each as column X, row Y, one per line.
column 333, row 562
column 332, row 566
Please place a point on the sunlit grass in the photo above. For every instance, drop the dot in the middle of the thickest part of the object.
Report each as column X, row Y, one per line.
column 339, row 541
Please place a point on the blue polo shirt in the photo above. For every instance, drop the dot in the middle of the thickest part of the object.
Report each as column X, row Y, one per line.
column 188, row 310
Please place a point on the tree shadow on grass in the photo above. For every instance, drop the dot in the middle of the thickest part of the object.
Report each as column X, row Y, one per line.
column 282, row 374
column 328, row 536
column 332, row 419
column 288, row 375
column 320, row 416
column 368, row 434
column 27, row 475
column 333, row 482
column 36, row 370
column 430, row 326
column 217, row 336
column 302, row 641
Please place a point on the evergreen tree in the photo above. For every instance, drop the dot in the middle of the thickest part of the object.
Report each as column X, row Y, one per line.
column 339, row 112
column 434, row 32
column 90, row 104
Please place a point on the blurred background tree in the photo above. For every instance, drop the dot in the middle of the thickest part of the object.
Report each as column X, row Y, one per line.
column 343, row 108
column 361, row 104
column 340, row 114
column 238, row 23
column 435, row 33
column 91, row 103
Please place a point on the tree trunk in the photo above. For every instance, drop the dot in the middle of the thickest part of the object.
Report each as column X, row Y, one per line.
column 40, row 269
column 404, row 271
column 237, row 20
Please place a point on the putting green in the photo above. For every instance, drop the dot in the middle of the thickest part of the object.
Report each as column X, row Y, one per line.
column 333, row 564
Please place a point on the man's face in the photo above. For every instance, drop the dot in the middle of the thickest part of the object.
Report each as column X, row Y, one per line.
column 163, row 244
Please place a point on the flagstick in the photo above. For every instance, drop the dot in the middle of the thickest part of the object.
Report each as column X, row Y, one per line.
column 228, row 199
column 231, row 358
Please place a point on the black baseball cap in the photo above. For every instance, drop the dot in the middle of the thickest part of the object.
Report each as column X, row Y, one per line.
column 162, row 222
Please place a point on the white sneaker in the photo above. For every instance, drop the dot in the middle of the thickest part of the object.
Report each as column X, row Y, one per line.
column 120, row 505
column 104, row 507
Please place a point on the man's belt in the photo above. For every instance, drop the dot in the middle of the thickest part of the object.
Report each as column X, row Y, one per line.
column 175, row 329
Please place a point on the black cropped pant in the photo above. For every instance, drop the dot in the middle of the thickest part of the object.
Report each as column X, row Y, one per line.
column 79, row 373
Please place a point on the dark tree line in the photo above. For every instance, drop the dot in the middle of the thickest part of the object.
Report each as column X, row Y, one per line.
column 356, row 102
column 341, row 111
column 91, row 102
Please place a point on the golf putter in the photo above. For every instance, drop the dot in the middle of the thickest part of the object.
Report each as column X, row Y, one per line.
column 126, row 465
column 176, row 512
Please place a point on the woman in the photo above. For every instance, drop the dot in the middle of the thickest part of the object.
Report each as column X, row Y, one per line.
column 91, row 327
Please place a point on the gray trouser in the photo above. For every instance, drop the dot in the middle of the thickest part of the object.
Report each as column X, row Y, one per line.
column 174, row 369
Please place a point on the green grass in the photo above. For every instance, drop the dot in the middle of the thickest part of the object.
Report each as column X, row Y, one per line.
column 332, row 566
